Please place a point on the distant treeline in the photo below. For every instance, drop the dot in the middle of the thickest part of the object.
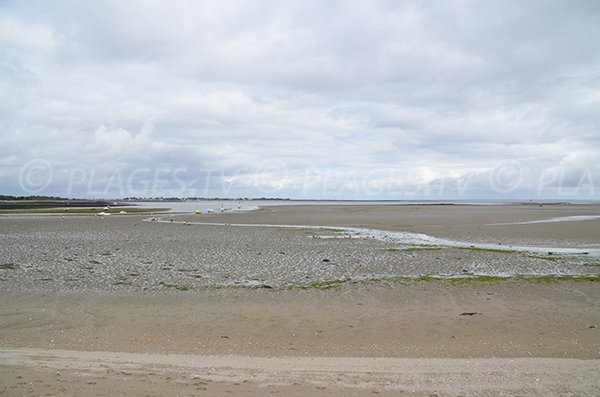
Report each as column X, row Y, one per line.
column 23, row 203
column 199, row 198
column 21, row 198
column 46, row 198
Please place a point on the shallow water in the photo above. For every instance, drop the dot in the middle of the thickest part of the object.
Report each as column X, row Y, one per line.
column 575, row 218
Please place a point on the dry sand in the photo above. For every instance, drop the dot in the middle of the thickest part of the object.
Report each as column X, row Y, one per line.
column 94, row 329
column 60, row 372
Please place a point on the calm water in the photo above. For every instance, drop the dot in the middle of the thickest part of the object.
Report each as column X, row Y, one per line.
column 249, row 205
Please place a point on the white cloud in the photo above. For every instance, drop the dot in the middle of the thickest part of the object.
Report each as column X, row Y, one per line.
column 18, row 36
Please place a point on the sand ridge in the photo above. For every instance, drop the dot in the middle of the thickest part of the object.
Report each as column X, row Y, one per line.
column 335, row 375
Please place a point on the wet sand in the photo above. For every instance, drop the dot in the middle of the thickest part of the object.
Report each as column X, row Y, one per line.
column 82, row 318
column 481, row 223
column 127, row 254
column 506, row 319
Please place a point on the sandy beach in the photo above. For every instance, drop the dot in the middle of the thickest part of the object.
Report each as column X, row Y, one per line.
column 299, row 198
column 121, row 305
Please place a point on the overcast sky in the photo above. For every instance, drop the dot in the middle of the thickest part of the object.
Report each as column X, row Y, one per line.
column 302, row 99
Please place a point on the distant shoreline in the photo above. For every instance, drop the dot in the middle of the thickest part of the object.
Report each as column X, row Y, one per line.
column 41, row 204
column 32, row 203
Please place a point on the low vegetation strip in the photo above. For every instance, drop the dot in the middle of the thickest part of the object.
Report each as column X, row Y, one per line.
column 116, row 210
column 22, row 203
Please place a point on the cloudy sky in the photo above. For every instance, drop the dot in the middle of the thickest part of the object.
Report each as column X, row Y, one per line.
column 302, row 99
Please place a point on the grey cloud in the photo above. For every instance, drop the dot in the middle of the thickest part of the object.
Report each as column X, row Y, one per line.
column 303, row 99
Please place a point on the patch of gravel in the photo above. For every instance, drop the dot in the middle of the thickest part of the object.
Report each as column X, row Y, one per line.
column 126, row 254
